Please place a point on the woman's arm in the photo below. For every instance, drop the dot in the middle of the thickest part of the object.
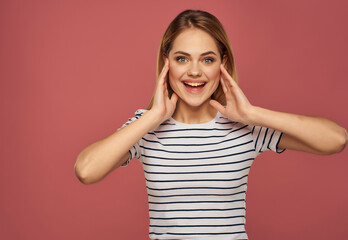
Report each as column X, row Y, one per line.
column 101, row 157
column 304, row 133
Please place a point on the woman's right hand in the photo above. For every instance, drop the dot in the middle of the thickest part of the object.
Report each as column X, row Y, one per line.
column 162, row 106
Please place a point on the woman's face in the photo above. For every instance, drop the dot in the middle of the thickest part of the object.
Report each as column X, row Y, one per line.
column 194, row 66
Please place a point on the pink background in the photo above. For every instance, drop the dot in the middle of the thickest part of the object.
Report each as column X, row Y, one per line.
column 73, row 71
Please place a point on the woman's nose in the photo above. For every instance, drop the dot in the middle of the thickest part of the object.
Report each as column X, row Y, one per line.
column 194, row 69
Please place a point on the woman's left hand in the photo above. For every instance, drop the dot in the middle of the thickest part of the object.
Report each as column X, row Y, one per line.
column 237, row 108
column 303, row 133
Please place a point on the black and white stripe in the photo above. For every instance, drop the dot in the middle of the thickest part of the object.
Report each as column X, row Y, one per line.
column 196, row 176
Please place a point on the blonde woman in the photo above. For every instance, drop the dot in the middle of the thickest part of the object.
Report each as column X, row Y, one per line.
column 199, row 136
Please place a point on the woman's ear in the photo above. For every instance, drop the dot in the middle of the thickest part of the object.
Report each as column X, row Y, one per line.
column 164, row 56
column 224, row 59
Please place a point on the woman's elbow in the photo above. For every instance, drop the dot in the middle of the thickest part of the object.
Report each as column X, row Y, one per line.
column 81, row 171
column 81, row 175
column 338, row 144
column 342, row 142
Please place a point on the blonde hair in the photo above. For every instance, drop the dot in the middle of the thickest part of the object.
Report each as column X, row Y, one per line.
column 208, row 23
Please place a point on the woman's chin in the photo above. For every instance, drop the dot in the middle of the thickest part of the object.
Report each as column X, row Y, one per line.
column 195, row 103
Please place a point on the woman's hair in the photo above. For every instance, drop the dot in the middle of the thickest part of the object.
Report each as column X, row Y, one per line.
column 204, row 21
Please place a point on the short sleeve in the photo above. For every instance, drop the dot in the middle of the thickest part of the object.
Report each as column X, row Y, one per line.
column 134, row 152
column 266, row 139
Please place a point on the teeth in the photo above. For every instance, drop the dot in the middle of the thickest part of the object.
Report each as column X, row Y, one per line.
column 194, row 84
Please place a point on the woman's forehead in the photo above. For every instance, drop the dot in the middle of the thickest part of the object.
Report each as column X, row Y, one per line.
column 194, row 41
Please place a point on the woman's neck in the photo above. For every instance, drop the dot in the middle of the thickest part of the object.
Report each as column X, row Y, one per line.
column 194, row 115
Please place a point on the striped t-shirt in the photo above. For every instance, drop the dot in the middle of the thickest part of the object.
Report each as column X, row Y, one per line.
column 196, row 176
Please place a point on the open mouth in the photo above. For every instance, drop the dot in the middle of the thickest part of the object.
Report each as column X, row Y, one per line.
column 191, row 84
column 194, row 87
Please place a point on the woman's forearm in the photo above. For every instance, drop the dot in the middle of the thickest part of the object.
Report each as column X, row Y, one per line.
column 101, row 157
column 312, row 134
column 98, row 159
column 304, row 133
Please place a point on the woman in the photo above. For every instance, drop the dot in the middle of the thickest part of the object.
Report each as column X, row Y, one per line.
column 200, row 135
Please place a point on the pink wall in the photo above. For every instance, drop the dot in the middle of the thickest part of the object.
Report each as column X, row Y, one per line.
column 71, row 72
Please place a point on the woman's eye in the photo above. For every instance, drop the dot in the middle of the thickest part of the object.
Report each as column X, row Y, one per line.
column 180, row 59
column 208, row 60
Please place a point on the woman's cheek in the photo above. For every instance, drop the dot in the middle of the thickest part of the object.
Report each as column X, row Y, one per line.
column 213, row 72
column 175, row 72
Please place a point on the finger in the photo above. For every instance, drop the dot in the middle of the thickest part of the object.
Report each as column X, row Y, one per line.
column 224, row 77
column 227, row 76
column 163, row 74
column 223, row 85
column 226, row 87
column 215, row 104
column 163, row 70
column 231, row 85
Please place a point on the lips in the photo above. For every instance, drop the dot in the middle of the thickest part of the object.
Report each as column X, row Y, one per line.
column 194, row 86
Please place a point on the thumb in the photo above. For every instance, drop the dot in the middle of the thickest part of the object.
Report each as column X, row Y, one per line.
column 215, row 104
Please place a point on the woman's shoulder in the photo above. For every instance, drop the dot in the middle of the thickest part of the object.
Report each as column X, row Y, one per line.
column 140, row 112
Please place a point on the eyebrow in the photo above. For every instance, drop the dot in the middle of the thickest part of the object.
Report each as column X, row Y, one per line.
column 203, row 54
